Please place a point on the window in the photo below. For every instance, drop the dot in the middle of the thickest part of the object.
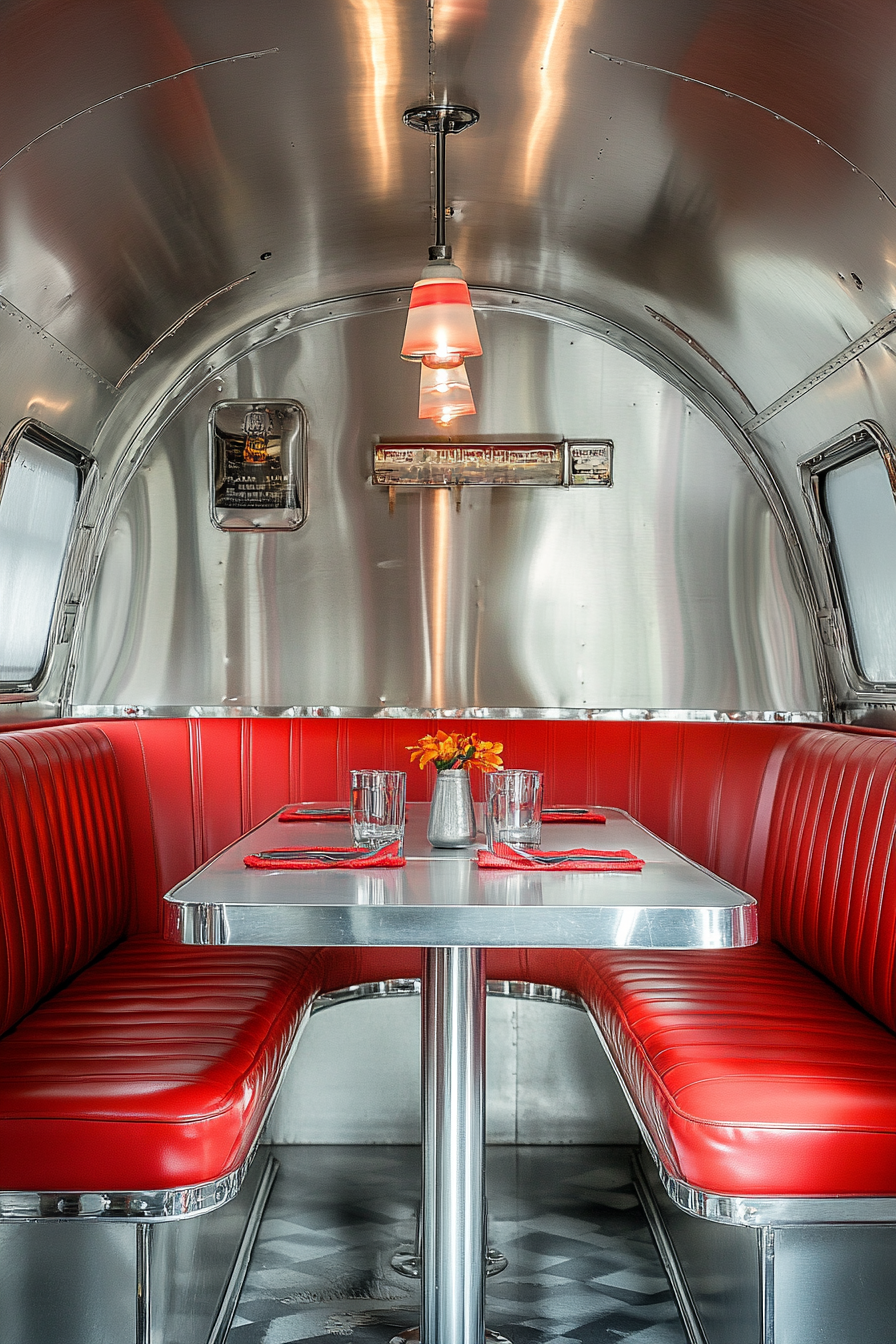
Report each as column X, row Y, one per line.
column 41, row 479
column 853, row 488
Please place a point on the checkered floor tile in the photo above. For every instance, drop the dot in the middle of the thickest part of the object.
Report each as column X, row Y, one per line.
column 582, row 1267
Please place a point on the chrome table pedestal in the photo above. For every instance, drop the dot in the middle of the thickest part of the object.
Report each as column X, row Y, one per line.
column 453, row 1223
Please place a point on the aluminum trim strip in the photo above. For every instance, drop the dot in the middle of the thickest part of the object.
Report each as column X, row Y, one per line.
column 666, row 1250
column 149, row 1206
column 767, row 1282
column 498, row 989
column 703, row 353
column 231, row 1296
column 766, row 1211
column 184, row 318
column 845, row 356
column 211, row 924
column 144, row 1284
column 85, row 711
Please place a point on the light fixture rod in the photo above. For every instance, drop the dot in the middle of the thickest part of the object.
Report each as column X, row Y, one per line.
column 440, row 121
column 440, row 189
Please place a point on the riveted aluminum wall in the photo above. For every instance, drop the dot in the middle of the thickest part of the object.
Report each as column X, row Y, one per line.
column 673, row 589
column 182, row 169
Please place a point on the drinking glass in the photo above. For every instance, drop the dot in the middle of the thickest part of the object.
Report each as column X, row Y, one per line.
column 378, row 807
column 513, row 808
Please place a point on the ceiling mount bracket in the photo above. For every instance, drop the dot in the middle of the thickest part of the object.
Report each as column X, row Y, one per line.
column 444, row 119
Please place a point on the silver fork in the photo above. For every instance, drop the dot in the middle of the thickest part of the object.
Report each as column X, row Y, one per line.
column 323, row 855
column 552, row 860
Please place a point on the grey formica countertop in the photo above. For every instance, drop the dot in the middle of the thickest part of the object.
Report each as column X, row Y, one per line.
column 442, row 899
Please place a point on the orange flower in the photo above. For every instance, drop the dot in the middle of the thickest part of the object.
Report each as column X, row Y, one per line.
column 453, row 751
column 441, row 748
column 486, row 756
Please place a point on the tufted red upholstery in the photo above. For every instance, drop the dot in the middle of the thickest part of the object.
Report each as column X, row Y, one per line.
column 194, row 785
column 830, row 887
column 152, row 1070
column 753, row 1072
column 154, row 1066
column 753, row 1075
column 65, row 877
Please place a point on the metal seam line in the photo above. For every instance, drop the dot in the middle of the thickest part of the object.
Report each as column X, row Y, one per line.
column 727, row 93
column 137, row 88
column 849, row 353
column 550, row 714
column 703, row 352
column 54, row 341
column 176, row 326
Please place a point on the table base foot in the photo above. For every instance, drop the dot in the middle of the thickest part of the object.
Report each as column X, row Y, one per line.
column 413, row 1337
column 406, row 1261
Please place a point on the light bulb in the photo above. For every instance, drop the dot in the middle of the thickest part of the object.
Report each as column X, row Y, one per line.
column 445, row 393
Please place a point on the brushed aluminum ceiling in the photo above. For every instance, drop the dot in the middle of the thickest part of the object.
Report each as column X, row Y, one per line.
column 715, row 178
column 731, row 168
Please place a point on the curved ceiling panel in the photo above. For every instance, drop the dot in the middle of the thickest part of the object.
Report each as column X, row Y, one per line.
column 188, row 167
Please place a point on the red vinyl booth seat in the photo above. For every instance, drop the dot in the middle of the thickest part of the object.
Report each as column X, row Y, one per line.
column 753, row 1075
column 152, row 1070
column 772, row 1070
column 153, row 1067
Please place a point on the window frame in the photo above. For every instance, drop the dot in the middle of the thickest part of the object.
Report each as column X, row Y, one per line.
column 42, row 436
column 836, row 626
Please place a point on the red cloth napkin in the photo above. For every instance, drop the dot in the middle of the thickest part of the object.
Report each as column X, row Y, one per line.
column 386, row 857
column 574, row 860
column 315, row 812
column 571, row 814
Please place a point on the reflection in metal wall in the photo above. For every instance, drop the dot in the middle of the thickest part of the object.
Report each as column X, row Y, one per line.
column 181, row 171
column 670, row 590
column 548, row 1079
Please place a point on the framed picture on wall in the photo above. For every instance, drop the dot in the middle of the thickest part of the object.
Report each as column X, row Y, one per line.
column 257, row 466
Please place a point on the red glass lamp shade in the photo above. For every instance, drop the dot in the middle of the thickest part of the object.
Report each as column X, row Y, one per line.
column 445, row 393
column 441, row 328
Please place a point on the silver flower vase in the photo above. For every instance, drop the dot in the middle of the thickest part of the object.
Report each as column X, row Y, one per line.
column 452, row 823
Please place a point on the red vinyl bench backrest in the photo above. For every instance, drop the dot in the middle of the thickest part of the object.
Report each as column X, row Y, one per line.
column 100, row 819
column 66, row 891
column 194, row 785
column 830, row 887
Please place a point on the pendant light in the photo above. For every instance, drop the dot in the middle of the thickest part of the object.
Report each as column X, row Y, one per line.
column 441, row 328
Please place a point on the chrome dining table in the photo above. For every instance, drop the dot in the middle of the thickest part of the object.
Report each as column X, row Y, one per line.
column 443, row 903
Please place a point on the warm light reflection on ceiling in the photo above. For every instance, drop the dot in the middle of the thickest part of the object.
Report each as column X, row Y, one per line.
column 549, row 52
column 378, row 43
column 452, row 17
